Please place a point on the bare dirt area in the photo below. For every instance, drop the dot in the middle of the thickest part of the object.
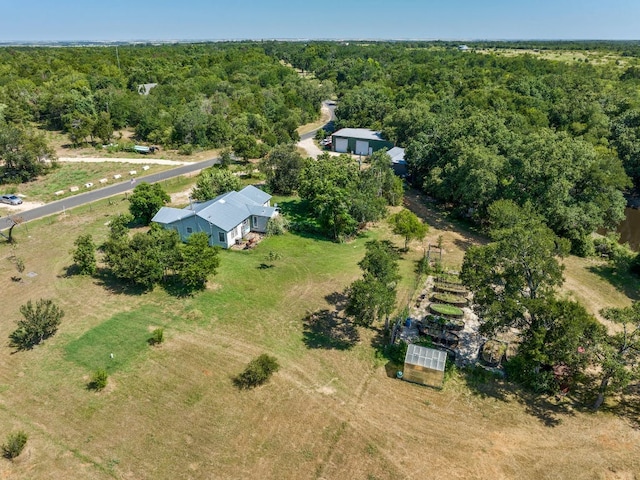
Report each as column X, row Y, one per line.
column 14, row 209
column 60, row 143
column 312, row 150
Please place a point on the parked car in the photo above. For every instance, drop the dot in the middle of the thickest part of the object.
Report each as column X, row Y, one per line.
column 11, row 199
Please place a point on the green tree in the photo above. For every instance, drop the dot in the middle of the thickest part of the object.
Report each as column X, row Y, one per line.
column 80, row 126
column 561, row 334
column 146, row 200
column 334, row 215
column 212, row 182
column 225, row 158
column 246, row 147
column 14, row 445
column 618, row 355
column 519, row 266
column 145, row 259
column 408, row 225
column 374, row 296
column 24, row 154
column 198, row 260
column 84, row 255
column 380, row 181
column 103, row 128
column 282, row 167
column 40, row 322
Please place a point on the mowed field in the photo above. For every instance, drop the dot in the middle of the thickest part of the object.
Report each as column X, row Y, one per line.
column 333, row 411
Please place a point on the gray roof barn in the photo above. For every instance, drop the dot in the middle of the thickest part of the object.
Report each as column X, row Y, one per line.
column 360, row 141
column 360, row 133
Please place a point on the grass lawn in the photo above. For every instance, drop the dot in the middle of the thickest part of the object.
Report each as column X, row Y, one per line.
column 125, row 335
column 77, row 174
column 332, row 410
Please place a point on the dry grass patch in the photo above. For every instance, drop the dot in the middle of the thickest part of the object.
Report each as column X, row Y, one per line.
column 327, row 413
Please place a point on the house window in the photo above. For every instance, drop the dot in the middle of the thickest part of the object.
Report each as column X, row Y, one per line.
column 189, row 230
column 254, row 221
column 221, row 237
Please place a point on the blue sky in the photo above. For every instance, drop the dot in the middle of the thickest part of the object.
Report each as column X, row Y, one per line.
column 111, row 20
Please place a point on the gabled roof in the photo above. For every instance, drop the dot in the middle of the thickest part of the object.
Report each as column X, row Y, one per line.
column 426, row 357
column 262, row 211
column 170, row 215
column 255, row 194
column 226, row 211
column 396, row 154
column 359, row 133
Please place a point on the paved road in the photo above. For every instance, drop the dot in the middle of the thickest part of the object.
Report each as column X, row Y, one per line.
column 327, row 126
column 93, row 195
column 98, row 194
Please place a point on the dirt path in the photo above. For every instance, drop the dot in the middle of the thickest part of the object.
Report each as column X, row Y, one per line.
column 137, row 161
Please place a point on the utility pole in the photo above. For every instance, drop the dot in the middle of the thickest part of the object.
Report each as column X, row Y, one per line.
column 118, row 57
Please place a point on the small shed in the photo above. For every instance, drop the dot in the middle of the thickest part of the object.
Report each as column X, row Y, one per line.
column 398, row 163
column 360, row 141
column 424, row 365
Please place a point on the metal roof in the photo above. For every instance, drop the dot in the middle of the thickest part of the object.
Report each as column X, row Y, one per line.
column 170, row 215
column 262, row 211
column 226, row 211
column 396, row 154
column 426, row 357
column 359, row 133
column 255, row 194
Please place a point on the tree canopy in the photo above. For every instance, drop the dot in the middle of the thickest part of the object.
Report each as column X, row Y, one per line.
column 146, row 200
column 374, row 296
column 212, row 182
column 408, row 225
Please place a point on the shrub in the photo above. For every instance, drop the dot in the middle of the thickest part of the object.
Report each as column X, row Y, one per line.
column 99, row 380
column 278, row 225
column 396, row 352
column 257, row 372
column 40, row 322
column 186, row 149
column 15, row 444
column 157, row 336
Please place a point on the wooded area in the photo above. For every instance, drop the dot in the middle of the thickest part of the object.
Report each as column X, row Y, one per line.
column 180, row 96
column 479, row 127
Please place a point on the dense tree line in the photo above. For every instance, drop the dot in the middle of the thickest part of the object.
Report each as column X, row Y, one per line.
column 207, row 95
column 480, row 127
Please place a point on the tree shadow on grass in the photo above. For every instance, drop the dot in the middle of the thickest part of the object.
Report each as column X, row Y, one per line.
column 327, row 330
column 302, row 222
column 174, row 287
column 549, row 410
column 624, row 282
column 392, row 355
column 338, row 300
column 111, row 283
